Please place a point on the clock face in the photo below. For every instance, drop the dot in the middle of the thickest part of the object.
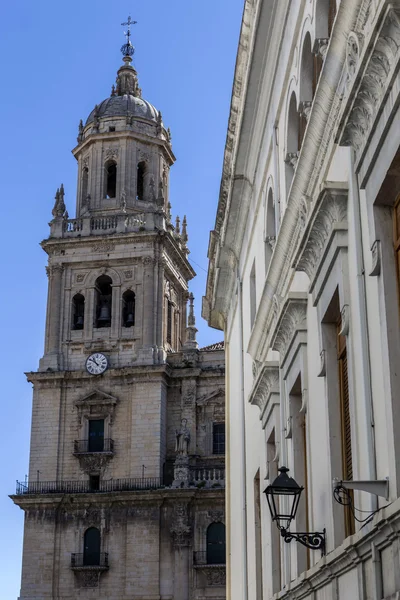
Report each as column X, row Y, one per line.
column 96, row 363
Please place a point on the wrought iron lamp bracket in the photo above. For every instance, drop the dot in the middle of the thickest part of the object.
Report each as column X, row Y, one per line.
column 315, row 540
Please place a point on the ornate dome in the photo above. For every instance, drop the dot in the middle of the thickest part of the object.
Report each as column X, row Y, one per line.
column 121, row 106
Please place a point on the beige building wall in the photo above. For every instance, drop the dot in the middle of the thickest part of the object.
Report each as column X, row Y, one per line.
column 303, row 238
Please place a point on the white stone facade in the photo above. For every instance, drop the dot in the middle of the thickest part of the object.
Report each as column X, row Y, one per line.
column 303, row 280
column 125, row 496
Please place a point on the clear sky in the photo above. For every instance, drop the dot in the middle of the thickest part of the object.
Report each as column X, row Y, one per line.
column 58, row 59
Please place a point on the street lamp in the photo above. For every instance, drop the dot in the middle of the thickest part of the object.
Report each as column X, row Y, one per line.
column 284, row 485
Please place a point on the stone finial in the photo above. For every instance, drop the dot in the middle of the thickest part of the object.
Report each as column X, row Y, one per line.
column 159, row 124
column 191, row 330
column 80, row 132
column 185, row 238
column 169, row 136
column 59, row 204
column 177, row 226
column 113, row 91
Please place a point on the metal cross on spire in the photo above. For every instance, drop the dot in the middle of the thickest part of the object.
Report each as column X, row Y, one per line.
column 128, row 49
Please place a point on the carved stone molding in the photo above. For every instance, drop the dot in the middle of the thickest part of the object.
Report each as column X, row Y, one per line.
column 103, row 247
column 345, row 317
column 88, row 578
column 216, row 576
column 54, row 269
column 292, row 318
column 148, row 261
column 266, row 383
column 94, row 462
column 332, row 211
column 305, row 109
column 292, row 159
column 216, row 516
column 375, row 81
column 96, row 403
column 112, row 153
column 376, row 259
column 181, row 530
column 320, row 47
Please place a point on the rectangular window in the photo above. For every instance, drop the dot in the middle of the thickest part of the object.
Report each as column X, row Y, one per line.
column 253, row 299
column 345, row 420
column 219, row 438
column 96, row 435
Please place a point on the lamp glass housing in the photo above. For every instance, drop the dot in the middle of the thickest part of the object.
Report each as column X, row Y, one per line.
column 283, row 485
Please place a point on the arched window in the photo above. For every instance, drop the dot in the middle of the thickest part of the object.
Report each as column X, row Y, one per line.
column 103, row 301
column 110, row 179
column 216, row 552
column 306, row 86
column 141, row 172
column 292, row 141
column 78, row 311
column 85, row 182
column 128, row 309
column 91, row 547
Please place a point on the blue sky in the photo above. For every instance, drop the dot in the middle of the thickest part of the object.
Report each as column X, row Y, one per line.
column 57, row 61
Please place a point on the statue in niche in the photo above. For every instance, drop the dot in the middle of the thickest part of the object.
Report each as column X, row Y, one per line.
column 182, row 439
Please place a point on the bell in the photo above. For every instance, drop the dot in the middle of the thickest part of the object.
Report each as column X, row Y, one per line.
column 79, row 322
column 104, row 316
column 129, row 320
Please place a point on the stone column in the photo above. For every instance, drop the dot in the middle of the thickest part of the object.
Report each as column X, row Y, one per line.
column 52, row 348
column 89, row 314
column 181, row 536
column 145, row 355
column 116, row 312
column 160, row 310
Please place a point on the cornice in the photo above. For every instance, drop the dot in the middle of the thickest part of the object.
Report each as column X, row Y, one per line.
column 265, row 384
column 329, row 212
column 372, row 60
column 292, row 318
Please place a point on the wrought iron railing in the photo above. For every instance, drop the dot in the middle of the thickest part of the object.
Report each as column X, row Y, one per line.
column 79, row 561
column 84, row 487
column 84, row 446
column 201, row 558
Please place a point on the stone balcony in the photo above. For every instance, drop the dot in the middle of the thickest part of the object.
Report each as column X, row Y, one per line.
column 100, row 225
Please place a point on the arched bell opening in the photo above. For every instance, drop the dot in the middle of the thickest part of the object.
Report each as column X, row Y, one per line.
column 78, row 312
column 140, row 180
column 216, row 549
column 110, row 169
column 103, row 289
column 128, row 309
column 85, row 184
column 91, row 547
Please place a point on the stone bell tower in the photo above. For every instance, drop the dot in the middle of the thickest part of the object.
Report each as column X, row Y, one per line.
column 126, row 472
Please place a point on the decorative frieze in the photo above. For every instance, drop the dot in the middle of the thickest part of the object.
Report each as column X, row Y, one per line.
column 331, row 212
column 266, row 384
column 292, row 319
column 376, row 79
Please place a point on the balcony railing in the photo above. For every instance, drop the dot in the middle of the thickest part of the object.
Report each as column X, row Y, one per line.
column 84, row 487
column 200, row 558
column 80, row 561
column 86, row 446
column 206, row 477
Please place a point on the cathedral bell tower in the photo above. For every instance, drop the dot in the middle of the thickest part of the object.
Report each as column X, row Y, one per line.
column 126, row 476
column 118, row 271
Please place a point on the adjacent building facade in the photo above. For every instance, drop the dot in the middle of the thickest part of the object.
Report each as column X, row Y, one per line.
column 125, row 496
column 304, row 281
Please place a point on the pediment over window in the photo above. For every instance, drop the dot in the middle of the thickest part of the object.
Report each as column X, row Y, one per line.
column 328, row 218
column 265, row 386
column 96, row 403
column 216, row 397
column 292, row 319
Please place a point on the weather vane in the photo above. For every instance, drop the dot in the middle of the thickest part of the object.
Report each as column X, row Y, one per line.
column 128, row 49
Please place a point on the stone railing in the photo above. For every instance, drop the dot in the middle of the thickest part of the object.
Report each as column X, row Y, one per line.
column 119, row 223
column 206, row 477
